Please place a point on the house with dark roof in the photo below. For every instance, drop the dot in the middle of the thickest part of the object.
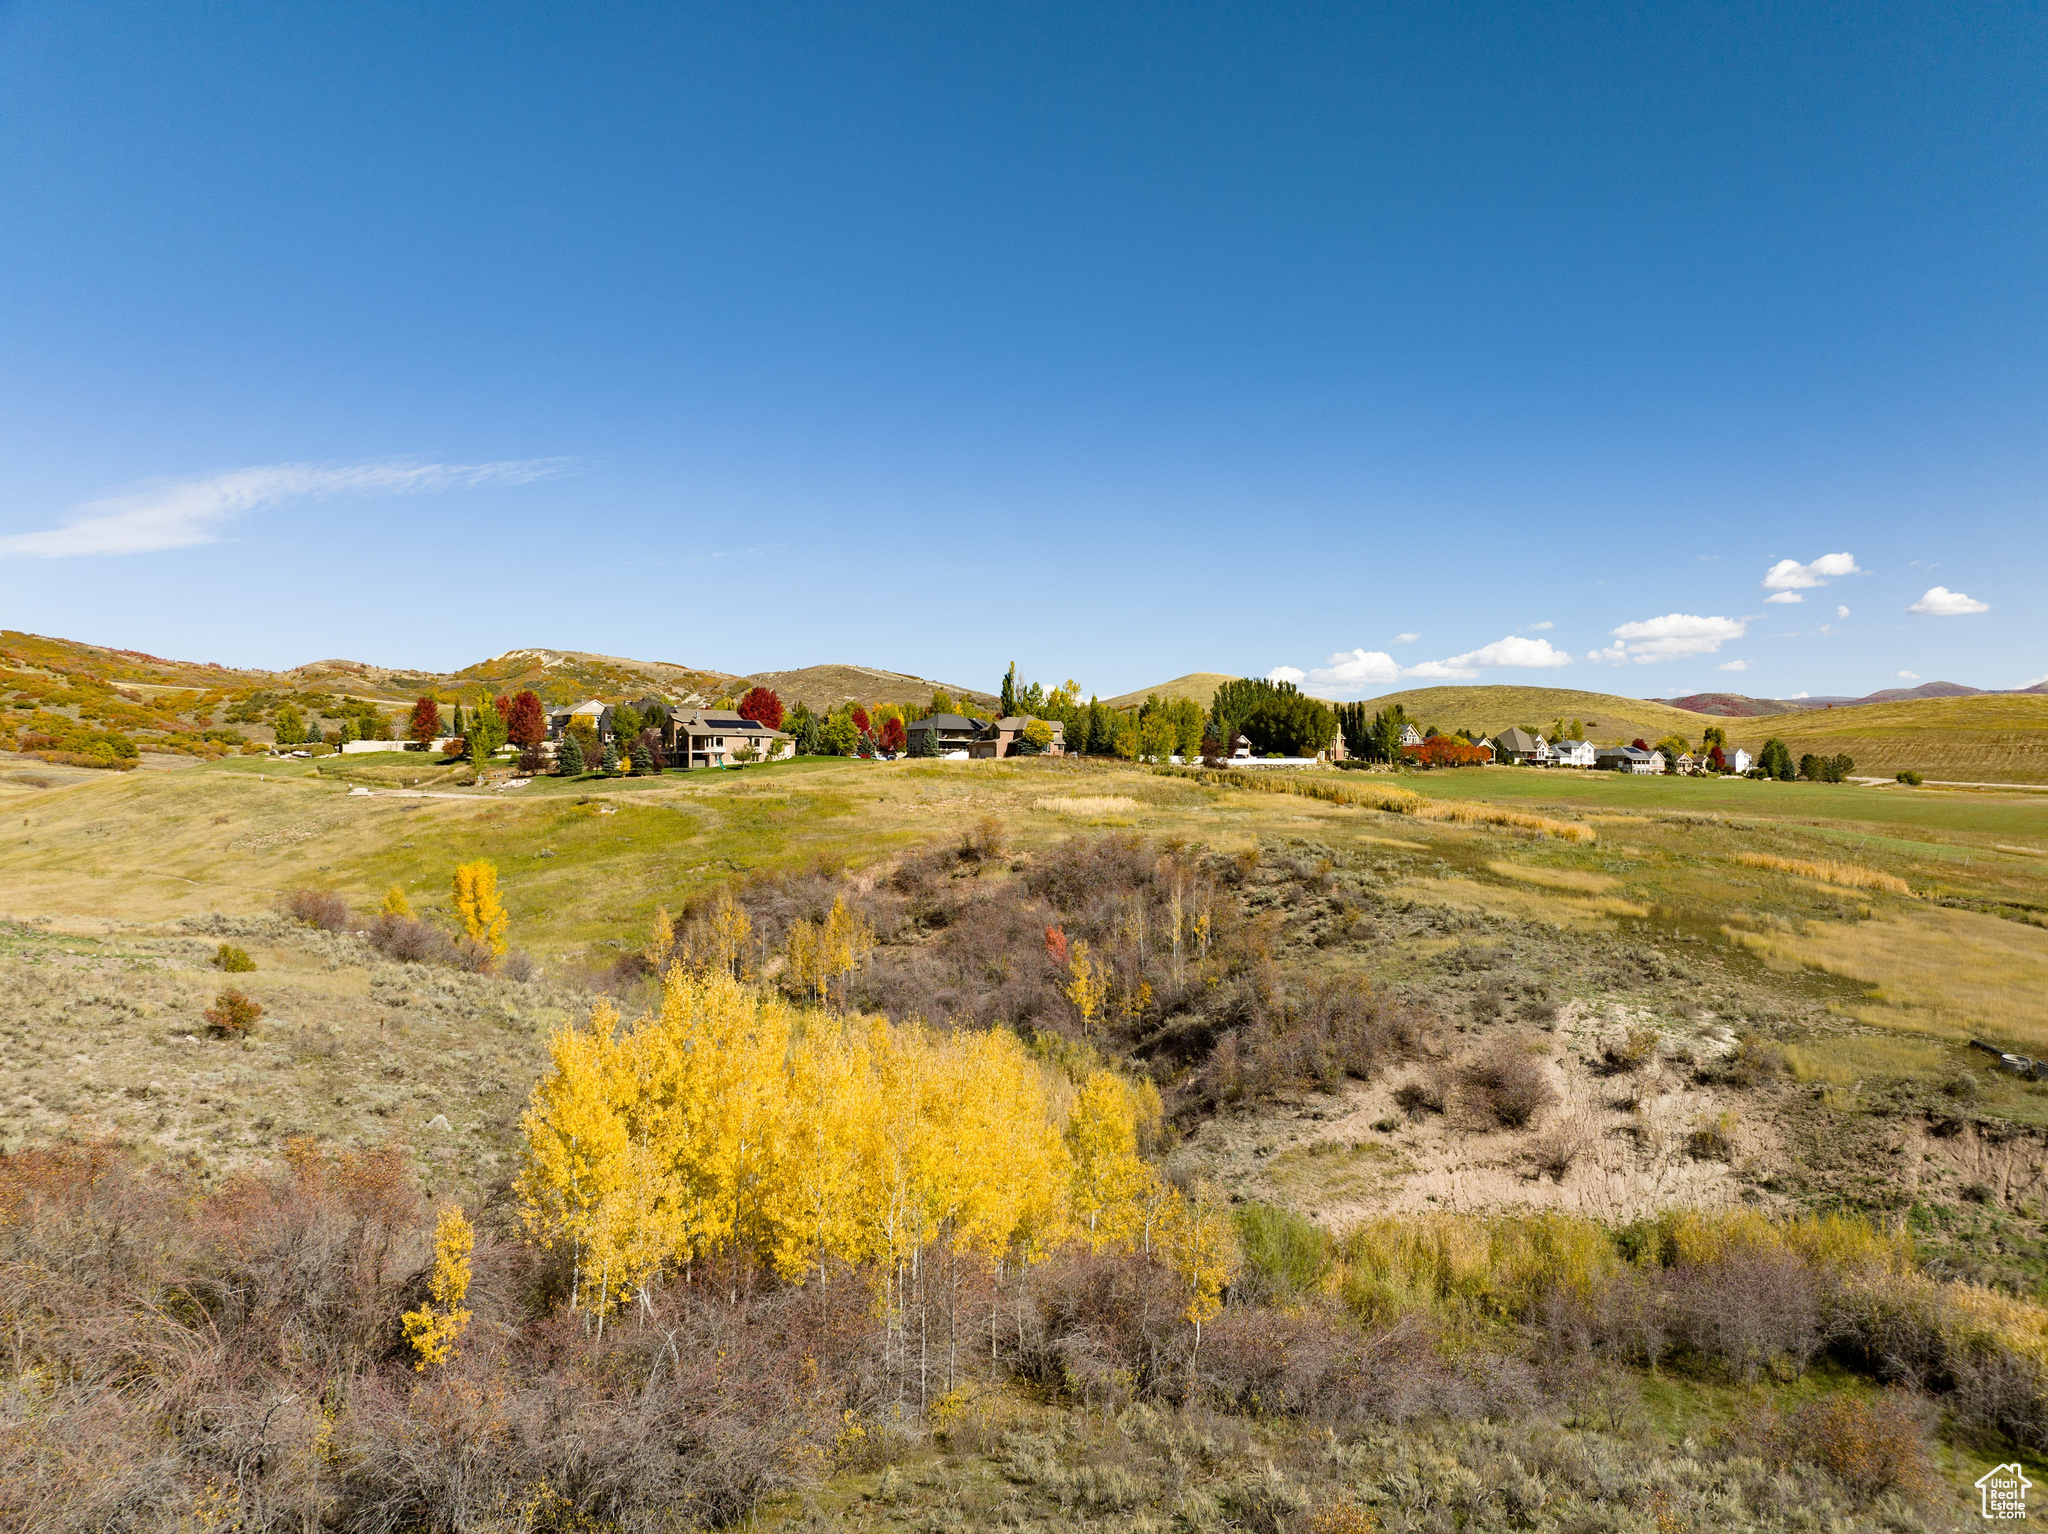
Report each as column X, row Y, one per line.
column 1644, row 764
column 948, row 734
column 1518, row 745
column 718, row 737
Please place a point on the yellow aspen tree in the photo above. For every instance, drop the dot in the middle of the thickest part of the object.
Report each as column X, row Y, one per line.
column 1090, row 984
column 395, row 903
column 435, row 1328
column 1110, row 1181
column 805, row 968
column 476, row 902
column 661, row 941
column 730, row 929
column 578, row 1145
column 846, row 941
column 1201, row 1247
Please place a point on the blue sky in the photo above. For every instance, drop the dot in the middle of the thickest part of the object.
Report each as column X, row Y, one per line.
column 1380, row 344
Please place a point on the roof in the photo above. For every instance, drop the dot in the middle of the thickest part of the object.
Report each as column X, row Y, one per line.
column 1515, row 738
column 1018, row 721
column 948, row 722
column 1629, row 752
column 722, row 719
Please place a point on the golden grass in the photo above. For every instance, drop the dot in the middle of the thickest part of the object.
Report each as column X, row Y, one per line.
column 1829, row 871
column 1100, row 804
column 1946, row 973
column 1583, row 880
column 1561, row 910
column 1390, row 798
column 1842, row 1062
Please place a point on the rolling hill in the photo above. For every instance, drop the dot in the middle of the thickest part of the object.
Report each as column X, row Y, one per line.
column 1198, row 685
column 823, row 687
column 1991, row 737
column 1489, row 710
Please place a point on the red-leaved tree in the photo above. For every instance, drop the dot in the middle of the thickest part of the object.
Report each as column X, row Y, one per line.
column 860, row 719
column 424, row 727
column 893, row 735
column 762, row 706
column 1445, row 751
column 526, row 722
column 1640, row 744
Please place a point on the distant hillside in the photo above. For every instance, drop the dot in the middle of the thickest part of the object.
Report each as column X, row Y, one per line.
column 1733, row 705
column 1488, row 710
column 1198, row 685
column 826, row 687
column 1985, row 738
column 569, row 676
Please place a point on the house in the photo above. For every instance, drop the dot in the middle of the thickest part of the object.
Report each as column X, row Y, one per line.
column 1518, row 745
column 597, row 715
column 951, row 734
column 1687, row 764
column 1410, row 736
column 1241, row 748
column 1629, row 759
column 1001, row 738
column 1573, row 753
column 1737, row 759
column 714, row 737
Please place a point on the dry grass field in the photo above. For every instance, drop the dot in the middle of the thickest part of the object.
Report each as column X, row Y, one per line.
column 1701, row 1024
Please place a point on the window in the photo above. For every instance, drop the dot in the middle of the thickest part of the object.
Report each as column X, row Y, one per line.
column 719, row 741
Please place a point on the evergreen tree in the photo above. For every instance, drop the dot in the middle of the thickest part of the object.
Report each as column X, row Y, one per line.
column 611, row 756
column 1010, row 691
column 641, row 755
column 569, row 754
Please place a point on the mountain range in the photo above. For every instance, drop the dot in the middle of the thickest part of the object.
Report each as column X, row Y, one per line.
column 1734, row 705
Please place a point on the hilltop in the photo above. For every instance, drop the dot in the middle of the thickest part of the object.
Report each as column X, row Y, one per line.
column 826, row 687
column 1199, row 685
column 1488, row 710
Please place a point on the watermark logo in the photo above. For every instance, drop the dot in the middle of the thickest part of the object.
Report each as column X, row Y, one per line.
column 2004, row 1489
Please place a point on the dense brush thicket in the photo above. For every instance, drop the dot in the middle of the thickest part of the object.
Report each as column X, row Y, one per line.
column 180, row 1358
column 1142, row 947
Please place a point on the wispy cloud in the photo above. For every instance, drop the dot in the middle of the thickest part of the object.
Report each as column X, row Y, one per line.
column 1350, row 671
column 1940, row 602
column 1909, row 676
column 1406, row 638
column 1540, row 627
column 1671, row 637
column 1789, row 575
column 177, row 514
column 1841, row 612
column 1733, row 665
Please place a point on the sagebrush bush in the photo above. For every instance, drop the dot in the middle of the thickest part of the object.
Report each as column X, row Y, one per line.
column 235, row 961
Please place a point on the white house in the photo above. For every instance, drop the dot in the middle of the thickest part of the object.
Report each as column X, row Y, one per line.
column 1573, row 753
column 1410, row 736
column 1738, row 760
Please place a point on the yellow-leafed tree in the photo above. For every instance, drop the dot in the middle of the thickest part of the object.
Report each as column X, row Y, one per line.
column 435, row 1328
column 1111, row 1183
column 395, row 903
column 477, row 903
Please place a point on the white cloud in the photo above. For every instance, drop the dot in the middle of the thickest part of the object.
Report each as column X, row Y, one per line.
column 1785, row 596
column 2036, row 682
column 1733, row 665
column 1351, row 670
column 1670, row 637
column 1841, row 612
column 1406, row 638
column 176, row 514
column 1802, row 694
column 1545, row 624
column 1791, row 575
column 1940, row 602
column 1909, row 676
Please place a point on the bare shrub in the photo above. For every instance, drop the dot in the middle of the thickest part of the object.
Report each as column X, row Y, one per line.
column 411, row 940
column 1505, row 1084
column 1752, row 1309
column 1555, row 1154
column 518, row 965
column 317, row 908
column 1712, row 1138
